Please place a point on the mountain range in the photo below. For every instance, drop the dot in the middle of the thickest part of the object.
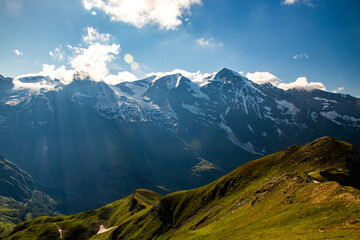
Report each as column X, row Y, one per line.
column 88, row 143
column 303, row 192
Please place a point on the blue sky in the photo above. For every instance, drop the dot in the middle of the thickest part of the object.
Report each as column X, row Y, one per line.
column 275, row 40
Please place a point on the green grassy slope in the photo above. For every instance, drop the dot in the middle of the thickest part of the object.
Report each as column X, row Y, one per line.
column 19, row 199
column 85, row 225
column 303, row 192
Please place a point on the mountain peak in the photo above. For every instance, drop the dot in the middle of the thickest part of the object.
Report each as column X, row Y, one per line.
column 168, row 81
column 227, row 71
column 226, row 75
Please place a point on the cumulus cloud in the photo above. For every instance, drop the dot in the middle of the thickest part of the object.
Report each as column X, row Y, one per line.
column 120, row 77
column 139, row 13
column 90, row 60
column 17, row 52
column 209, row 43
column 60, row 73
column 92, row 35
column 93, row 60
column 263, row 77
column 302, row 83
column 300, row 56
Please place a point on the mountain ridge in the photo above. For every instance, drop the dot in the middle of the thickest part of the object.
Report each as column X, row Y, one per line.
column 143, row 132
column 300, row 192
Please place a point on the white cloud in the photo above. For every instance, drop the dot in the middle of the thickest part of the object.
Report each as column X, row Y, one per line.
column 300, row 56
column 290, row 2
column 139, row 13
column 263, row 77
column 91, row 61
column 57, row 53
column 340, row 89
column 209, row 43
column 17, row 52
column 94, row 59
column 61, row 73
column 302, row 83
column 120, row 77
column 92, row 35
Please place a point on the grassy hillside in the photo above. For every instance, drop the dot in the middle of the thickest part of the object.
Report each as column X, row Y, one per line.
column 303, row 192
column 19, row 199
column 87, row 224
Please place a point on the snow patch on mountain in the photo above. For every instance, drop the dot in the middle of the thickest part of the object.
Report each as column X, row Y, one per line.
column 314, row 116
column 227, row 110
column 80, row 95
column 346, row 120
column 325, row 100
column 287, row 108
column 15, row 100
column 193, row 109
column 197, row 91
column 105, row 102
column 138, row 89
column 280, row 133
column 173, row 81
column 267, row 113
column 232, row 137
column 48, row 103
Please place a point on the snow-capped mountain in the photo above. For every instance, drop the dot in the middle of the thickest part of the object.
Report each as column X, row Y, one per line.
column 259, row 119
column 162, row 133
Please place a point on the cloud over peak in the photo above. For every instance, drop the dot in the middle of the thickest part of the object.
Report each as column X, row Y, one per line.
column 94, row 59
column 87, row 61
column 302, row 83
column 263, row 77
column 139, row 13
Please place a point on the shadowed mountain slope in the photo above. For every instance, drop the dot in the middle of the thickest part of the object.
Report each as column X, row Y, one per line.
column 302, row 192
column 19, row 198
